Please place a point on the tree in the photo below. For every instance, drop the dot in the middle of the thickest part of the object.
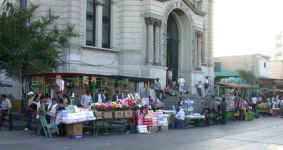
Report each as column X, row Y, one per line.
column 29, row 45
column 248, row 76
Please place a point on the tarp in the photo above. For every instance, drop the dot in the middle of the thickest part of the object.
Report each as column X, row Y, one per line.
column 5, row 85
column 237, row 85
column 227, row 74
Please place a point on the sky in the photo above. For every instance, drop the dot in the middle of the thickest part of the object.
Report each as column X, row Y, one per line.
column 246, row 26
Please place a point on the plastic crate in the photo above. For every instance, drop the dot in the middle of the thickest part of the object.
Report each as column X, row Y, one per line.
column 256, row 115
column 250, row 116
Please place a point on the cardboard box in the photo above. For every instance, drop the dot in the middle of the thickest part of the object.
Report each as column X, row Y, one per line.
column 163, row 128
column 74, row 129
column 152, row 129
column 128, row 114
column 99, row 115
column 108, row 115
column 118, row 114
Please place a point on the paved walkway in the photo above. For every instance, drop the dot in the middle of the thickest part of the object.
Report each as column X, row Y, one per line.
column 260, row 134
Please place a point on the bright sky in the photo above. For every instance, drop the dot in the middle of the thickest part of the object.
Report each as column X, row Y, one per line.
column 246, row 26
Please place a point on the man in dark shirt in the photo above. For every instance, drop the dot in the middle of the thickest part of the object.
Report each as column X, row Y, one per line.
column 223, row 110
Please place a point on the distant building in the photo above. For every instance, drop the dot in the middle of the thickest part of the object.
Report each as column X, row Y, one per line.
column 276, row 64
column 257, row 63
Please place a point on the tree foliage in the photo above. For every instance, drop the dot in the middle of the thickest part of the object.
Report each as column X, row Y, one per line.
column 30, row 45
column 248, row 76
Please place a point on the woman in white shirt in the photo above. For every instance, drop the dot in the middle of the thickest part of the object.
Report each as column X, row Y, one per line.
column 53, row 106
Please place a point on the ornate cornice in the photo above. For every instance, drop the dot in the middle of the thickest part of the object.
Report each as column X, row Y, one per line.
column 191, row 5
column 153, row 21
column 99, row 2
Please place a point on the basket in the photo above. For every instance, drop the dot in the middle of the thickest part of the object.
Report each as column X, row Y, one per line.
column 118, row 114
column 128, row 114
column 99, row 115
column 108, row 115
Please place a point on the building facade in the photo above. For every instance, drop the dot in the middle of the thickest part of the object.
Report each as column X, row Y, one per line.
column 276, row 63
column 137, row 38
column 258, row 64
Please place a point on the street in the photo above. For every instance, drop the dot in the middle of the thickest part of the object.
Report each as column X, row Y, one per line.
column 260, row 134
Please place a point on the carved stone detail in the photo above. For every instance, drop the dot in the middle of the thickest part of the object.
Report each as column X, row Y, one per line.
column 99, row 2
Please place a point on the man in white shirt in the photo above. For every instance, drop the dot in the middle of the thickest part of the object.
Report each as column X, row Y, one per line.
column 6, row 111
column 199, row 88
column 86, row 100
column 206, row 86
column 179, row 121
column 254, row 101
column 99, row 97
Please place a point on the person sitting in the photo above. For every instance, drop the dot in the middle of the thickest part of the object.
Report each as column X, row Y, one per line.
column 179, row 120
column 66, row 100
column 206, row 112
column 6, row 111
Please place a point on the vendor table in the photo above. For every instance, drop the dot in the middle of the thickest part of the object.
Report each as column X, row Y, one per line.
column 193, row 119
column 107, row 125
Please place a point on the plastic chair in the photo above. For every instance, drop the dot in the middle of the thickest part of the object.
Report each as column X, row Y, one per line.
column 47, row 128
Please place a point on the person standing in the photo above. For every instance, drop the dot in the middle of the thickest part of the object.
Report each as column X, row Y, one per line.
column 169, row 77
column 254, row 101
column 158, row 89
column 116, row 97
column 199, row 88
column 223, row 111
column 6, row 111
column 86, row 100
column 99, row 97
column 206, row 86
column 179, row 120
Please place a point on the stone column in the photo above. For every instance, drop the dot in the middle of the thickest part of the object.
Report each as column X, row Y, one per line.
column 98, row 22
column 150, row 40
column 157, row 51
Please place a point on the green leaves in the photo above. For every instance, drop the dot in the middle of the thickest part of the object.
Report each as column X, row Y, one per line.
column 28, row 45
column 248, row 76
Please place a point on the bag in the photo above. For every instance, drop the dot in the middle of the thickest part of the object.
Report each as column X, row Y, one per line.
column 206, row 85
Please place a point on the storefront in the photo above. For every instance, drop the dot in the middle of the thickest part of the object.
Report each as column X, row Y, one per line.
column 75, row 85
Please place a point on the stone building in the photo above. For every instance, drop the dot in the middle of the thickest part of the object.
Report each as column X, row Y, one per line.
column 137, row 38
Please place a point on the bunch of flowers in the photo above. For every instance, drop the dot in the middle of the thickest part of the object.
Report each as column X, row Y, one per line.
column 130, row 103
column 101, row 107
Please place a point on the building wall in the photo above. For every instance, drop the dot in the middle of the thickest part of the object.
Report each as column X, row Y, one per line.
column 254, row 63
column 264, row 67
column 276, row 69
column 128, row 54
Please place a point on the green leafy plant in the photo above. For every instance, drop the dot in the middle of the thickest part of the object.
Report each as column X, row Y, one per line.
column 29, row 44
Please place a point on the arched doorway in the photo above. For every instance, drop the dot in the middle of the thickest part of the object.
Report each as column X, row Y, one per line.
column 173, row 46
